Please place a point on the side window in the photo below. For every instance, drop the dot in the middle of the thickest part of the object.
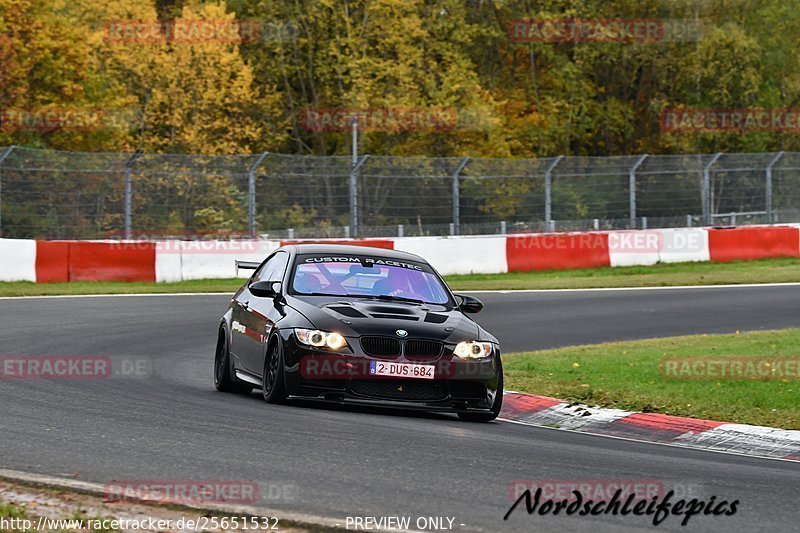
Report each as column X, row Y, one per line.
column 273, row 269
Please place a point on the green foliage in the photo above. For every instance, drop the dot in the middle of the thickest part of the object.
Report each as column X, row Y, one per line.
column 292, row 217
column 510, row 98
column 10, row 510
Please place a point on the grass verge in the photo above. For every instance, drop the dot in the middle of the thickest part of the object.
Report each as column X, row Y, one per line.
column 779, row 270
column 627, row 375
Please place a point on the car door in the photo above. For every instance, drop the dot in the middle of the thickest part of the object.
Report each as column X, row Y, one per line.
column 255, row 317
column 240, row 321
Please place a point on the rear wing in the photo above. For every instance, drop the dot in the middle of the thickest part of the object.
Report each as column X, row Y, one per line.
column 246, row 265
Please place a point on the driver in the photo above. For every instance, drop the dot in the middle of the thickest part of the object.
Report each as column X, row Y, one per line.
column 308, row 283
column 397, row 283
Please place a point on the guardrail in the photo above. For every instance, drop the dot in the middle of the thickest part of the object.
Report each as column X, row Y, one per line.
column 172, row 260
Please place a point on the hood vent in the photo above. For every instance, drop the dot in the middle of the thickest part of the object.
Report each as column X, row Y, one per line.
column 391, row 310
column 436, row 318
column 395, row 317
column 346, row 310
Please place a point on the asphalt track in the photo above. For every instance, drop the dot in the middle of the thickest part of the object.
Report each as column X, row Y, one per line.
column 339, row 462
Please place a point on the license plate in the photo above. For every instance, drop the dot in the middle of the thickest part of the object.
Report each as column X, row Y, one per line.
column 401, row 370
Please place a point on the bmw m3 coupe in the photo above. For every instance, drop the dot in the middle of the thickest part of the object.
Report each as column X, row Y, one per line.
column 353, row 324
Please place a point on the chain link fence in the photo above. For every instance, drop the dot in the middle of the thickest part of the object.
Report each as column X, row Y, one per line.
column 58, row 195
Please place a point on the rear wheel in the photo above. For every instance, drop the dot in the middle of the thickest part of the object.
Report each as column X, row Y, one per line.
column 496, row 406
column 274, row 386
column 223, row 379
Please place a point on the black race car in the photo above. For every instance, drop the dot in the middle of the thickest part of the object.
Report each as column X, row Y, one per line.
column 356, row 324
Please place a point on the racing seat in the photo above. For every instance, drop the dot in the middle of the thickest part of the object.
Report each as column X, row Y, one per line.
column 384, row 286
column 308, row 283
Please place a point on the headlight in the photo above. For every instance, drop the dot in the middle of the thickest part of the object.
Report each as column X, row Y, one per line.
column 473, row 349
column 318, row 339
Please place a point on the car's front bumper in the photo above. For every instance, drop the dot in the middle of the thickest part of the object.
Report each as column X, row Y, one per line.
column 458, row 385
column 446, row 406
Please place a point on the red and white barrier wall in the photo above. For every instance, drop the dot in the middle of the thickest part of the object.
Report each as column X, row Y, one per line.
column 61, row 261
column 185, row 260
column 466, row 255
column 17, row 260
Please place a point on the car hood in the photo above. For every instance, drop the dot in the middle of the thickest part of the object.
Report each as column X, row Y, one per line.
column 356, row 317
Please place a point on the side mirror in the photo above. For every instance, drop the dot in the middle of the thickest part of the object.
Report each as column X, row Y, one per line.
column 265, row 289
column 468, row 304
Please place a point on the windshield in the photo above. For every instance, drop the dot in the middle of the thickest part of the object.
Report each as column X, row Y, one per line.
column 367, row 277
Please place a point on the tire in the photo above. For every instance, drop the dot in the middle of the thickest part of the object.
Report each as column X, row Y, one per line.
column 223, row 380
column 496, row 406
column 272, row 379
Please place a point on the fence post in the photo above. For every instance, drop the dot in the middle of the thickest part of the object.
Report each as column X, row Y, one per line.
column 457, row 197
column 3, row 157
column 632, row 190
column 129, row 194
column 706, row 198
column 357, row 163
column 768, row 199
column 251, row 194
column 548, row 194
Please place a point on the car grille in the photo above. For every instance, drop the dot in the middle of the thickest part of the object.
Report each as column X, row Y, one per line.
column 380, row 346
column 400, row 389
column 422, row 349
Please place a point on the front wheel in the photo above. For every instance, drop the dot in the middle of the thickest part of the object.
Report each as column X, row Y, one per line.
column 274, row 386
column 223, row 380
column 497, row 405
